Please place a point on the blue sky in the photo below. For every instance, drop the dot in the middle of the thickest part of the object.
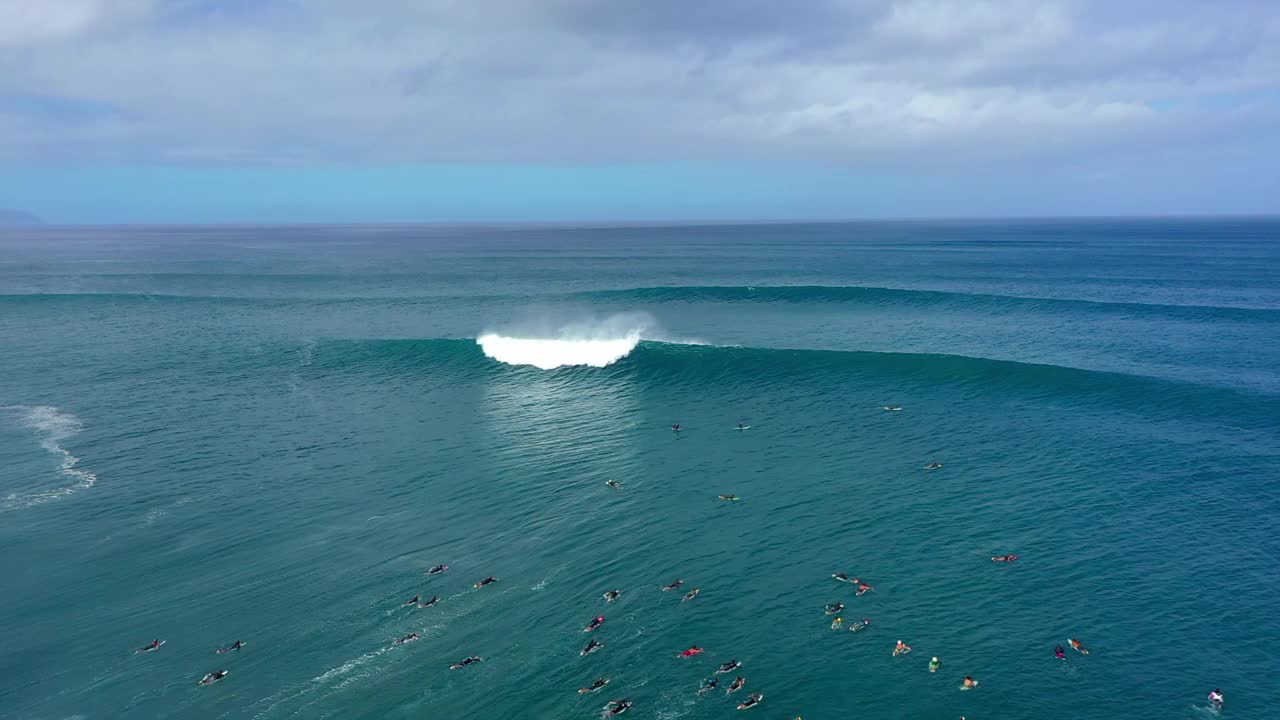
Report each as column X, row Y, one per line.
column 509, row 110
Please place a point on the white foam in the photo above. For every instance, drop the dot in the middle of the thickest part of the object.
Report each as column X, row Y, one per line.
column 551, row 353
column 52, row 426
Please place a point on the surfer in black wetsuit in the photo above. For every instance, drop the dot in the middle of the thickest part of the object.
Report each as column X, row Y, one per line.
column 437, row 569
column 728, row 667
column 414, row 601
column 234, row 646
column 673, row 586
column 214, row 677
column 155, row 645
column 466, row 661
column 612, row 595
column 736, row 685
column 409, row 638
column 752, row 700
column 708, row 685
column 613, row 484
column 617, row 707
column 487, row 581
column 841, row 577
column 599, row 683
column 691, row 595
column 591, row 647
column 676, row 427
column 434, row 599
column 833, row 608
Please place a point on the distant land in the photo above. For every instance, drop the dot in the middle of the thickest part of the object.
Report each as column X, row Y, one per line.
column 14, row 217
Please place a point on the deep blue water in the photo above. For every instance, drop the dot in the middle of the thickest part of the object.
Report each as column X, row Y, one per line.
column 270, row 433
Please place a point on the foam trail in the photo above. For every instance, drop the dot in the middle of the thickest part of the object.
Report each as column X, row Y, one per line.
column 52, row 426
column 593, row 343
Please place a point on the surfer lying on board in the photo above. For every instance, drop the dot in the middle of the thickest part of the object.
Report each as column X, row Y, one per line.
column 842, row 577
column 673, row 586
column 1075, row 645
column 1060, row 653
column 487, row 581
column 599, row 683
column 466, row 661
column 617, row 707
column 613, row 484
column 595, row 623
column 736, row 685
column 728, row 667
column 591, row 647
column 933, row 466
column 437, row 569
column 863, row 588
column 214, row 677
column 861, row 625
column 414, row 601
column 833, row 608
column 730, row 497
column 694, row 650
column 708, row 685
column 612, row 595
column 1004, row 558
column 752, row 700
column 901, row 649
column 691, row 595
column 234, row 646
column 434, row 599
column 155, row 645
column 409, row 638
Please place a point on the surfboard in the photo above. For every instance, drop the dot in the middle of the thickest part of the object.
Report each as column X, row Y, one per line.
column 222, row 651
column 150, row 649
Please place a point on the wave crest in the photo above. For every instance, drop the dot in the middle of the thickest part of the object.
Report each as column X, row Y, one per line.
column 591, row 342
column 52, row 426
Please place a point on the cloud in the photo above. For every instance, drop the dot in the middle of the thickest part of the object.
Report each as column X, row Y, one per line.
column 908, row 83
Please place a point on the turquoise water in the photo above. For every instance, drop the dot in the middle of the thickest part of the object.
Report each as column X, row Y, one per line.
column 269, row 434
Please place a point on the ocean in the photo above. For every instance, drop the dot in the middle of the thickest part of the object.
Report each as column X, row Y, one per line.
column 269, row 434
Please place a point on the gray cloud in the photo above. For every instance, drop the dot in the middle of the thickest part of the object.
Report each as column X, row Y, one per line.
column 911, row 82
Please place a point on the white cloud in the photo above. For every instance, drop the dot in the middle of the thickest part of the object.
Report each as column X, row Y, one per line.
column 582, row 81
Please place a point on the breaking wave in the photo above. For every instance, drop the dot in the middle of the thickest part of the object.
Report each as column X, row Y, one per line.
column 52, row 426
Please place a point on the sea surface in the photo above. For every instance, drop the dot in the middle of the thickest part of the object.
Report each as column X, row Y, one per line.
column 270, row 434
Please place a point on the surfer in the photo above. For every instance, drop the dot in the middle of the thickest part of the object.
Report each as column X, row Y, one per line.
column 1075, row 645
column 901, row 649
column 466, row 661
column 863, row 588
column 934, row 664
column 837, row 623
column 708, row 685
column 861, row 625
column 613, row 484
column 933, row 466
column 1216, row 698
column 841, row 577
column 730, row 497
column 1060, row 653
column 891, row 408
column 616, row 707
column 487, row 581
column 833, row 608
column 214, row 677
column 1004, row 558
column 969, row 683
column 741, row 427
column 437, row 569
column 691, row 595
column 414, row 601
column 676, row 427
column 736, row 685
column 591, row 647
column 599, row 683
column 409, row 638
column 728, row 667
column 752, row 700
column 434, row 599
column 611, row 595
column 693, row 650
column 595, row 623
column 154, row 645
column 673, row 586
column 233, row 646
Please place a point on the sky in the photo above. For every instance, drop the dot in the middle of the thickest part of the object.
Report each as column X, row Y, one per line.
column 140, row 111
